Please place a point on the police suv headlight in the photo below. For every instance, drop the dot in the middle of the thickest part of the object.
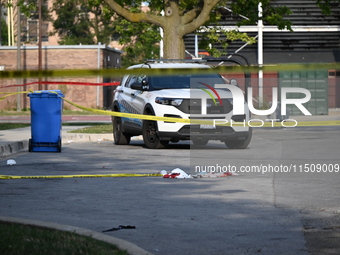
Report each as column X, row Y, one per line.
column 168, row 101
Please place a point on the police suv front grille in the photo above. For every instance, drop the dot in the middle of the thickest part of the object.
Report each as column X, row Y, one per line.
column 191, row 106
column 217, row 108
column 194, row 106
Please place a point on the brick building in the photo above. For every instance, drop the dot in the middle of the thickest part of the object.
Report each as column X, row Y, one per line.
column 62, row 58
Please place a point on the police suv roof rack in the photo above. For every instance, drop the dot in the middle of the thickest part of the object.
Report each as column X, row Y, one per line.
column 232, row 58
column 221, row 60
column 193, row 60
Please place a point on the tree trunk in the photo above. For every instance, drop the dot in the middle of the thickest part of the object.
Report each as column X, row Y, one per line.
column 175, row 23
column 173, row 35
column 173, row 44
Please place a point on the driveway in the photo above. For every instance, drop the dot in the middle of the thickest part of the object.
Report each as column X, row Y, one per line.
column 253, row 212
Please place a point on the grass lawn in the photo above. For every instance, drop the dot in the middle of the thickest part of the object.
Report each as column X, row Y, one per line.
column 28, row 112
column 94, row 128
column 5, row 126
column 19, row 239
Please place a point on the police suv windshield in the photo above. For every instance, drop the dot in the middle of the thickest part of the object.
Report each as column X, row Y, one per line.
column 184, row 81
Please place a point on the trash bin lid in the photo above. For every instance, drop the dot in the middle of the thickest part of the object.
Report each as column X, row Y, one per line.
column 46, row 93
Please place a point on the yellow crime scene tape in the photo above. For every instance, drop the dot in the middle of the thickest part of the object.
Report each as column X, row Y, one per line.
column 7, row 177
column 165, row 71
column 217, row 122
column 146, row 71
column 12, row 94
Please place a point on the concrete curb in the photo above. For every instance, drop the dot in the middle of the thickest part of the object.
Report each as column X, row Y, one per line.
column 80, row 137
column 22, row 146
column 15, row 147
column 131, row 248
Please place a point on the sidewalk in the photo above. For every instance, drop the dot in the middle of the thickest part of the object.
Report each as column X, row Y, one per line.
column 16, row 140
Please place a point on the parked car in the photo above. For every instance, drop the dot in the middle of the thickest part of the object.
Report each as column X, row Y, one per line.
column 186, row 96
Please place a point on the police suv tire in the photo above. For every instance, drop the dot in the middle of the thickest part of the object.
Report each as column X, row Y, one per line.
column 150, row 137
column 118, row 136
column 200, row 142
column 240, row 144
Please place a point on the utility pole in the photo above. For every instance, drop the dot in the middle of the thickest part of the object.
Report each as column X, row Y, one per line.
column 0, row 23
column 98, row 77
column 39, row 44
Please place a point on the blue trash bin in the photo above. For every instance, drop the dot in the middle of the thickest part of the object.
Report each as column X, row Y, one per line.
column 46, row 120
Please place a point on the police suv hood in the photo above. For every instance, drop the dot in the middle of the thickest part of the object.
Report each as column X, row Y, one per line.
column 192, row 93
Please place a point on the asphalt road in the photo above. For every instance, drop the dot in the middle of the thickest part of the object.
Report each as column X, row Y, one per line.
column 289, row 211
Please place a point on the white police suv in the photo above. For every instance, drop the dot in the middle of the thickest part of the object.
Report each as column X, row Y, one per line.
column 186, row 96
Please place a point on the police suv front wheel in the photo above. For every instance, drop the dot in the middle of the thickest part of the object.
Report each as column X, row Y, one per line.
column 150, row 137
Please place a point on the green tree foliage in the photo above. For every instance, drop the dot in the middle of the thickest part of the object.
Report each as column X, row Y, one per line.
column 93, row 21
column 272, row 14
column 183, row 17
column 140, row 40
column 82, row 22
column 326, row 5
column 213, row 36
column 179, row 19
column 31, row 9
column 90, row 22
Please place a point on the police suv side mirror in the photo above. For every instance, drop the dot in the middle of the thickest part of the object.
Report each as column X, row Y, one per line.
column 143, row 86
column 136, row 86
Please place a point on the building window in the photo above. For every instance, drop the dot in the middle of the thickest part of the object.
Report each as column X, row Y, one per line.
column 30, row 26
column 30, row 31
